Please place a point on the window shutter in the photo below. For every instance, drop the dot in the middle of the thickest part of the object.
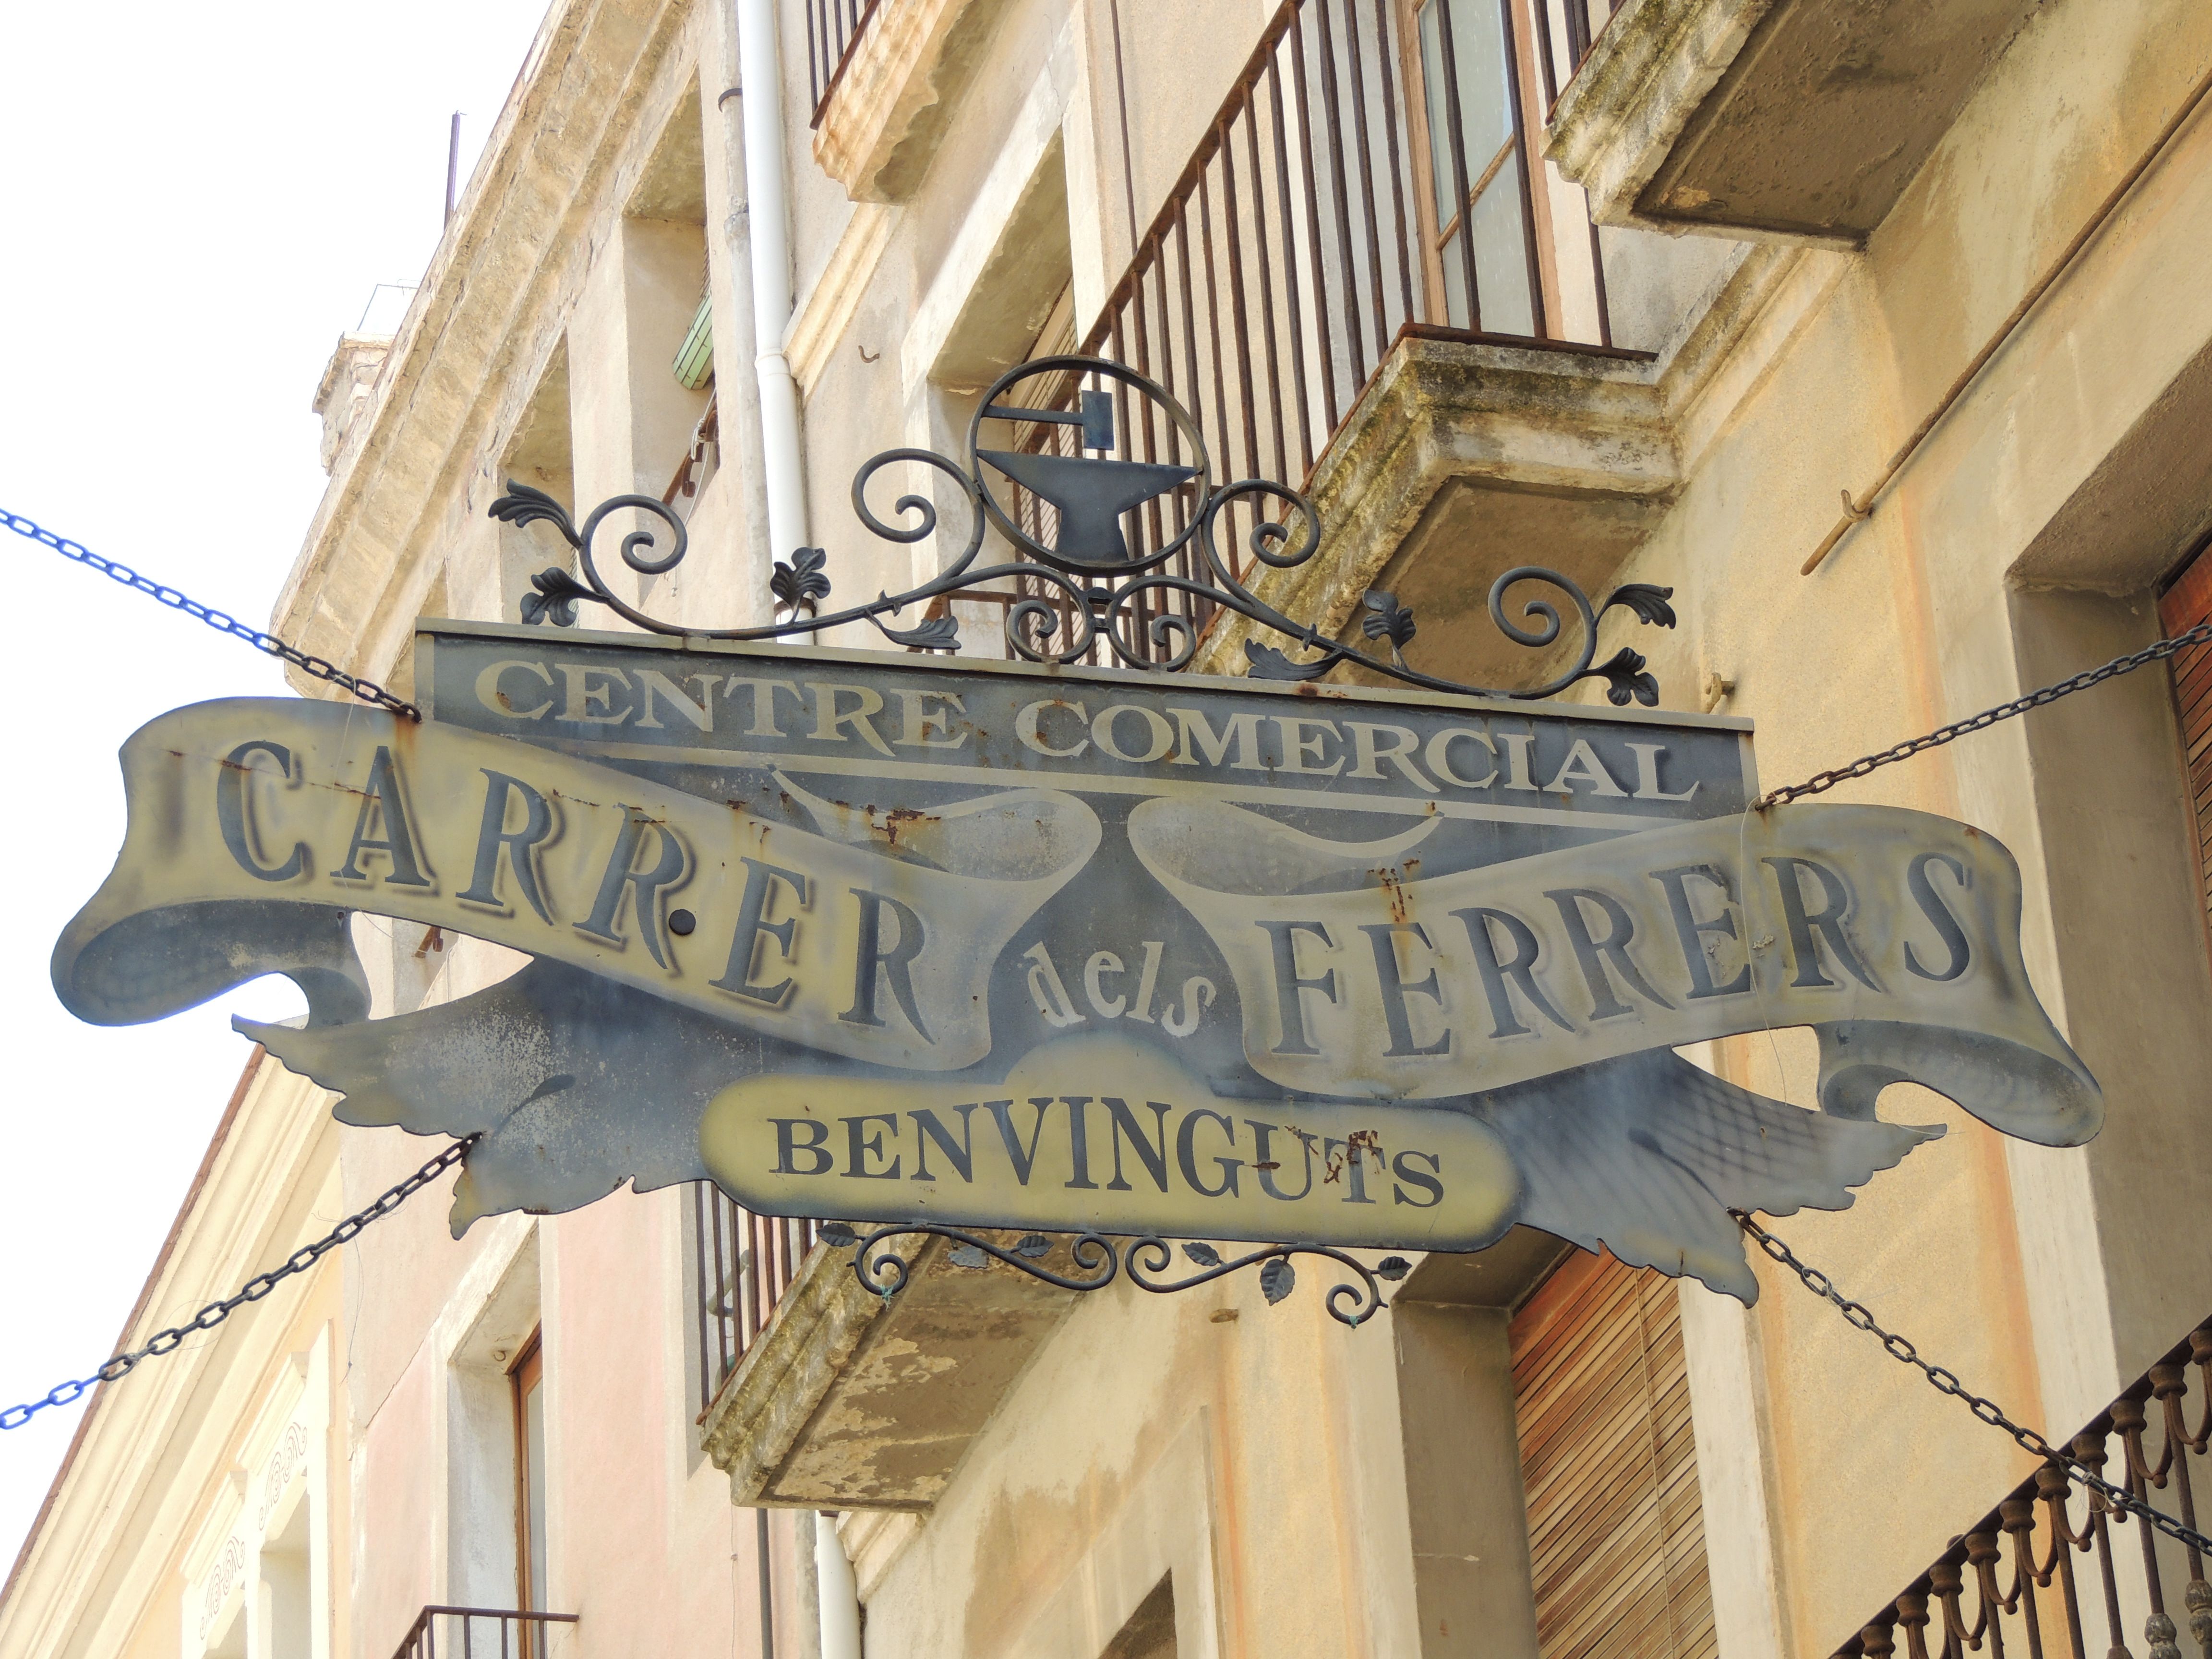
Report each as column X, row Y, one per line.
column 2185, row 604
column 1601, row 1398
column 695, row 359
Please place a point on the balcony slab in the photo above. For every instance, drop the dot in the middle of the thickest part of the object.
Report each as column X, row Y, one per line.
column 847, row 1401
column 1464, row 457
column 886, row 116
column 1796, row 120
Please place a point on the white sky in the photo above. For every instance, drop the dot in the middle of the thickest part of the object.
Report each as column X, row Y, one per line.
column 194, row 204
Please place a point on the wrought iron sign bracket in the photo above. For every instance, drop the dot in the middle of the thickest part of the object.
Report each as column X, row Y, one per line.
column 1107, row 594
column 1099, row 1261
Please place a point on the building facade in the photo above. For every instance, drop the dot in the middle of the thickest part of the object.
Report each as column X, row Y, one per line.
column 1635, row 291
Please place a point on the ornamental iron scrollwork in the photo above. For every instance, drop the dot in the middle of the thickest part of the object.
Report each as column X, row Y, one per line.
column 1098, row 1260
column 1070, row 510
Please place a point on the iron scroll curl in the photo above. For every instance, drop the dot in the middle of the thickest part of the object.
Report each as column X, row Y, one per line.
column 1088, row 590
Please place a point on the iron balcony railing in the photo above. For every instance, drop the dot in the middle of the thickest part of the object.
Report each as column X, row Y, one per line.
column 1371, row 175
column 1353, row 186
column 481, row 1633
column 2010, row 1583
column 1566, row 31
column 745, row 1264
column 834, row 29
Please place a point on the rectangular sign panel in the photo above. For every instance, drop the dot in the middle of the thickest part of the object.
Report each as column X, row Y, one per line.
column 900, row 937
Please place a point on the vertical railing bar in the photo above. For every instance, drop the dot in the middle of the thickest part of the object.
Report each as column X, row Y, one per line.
column 1385, row 60
column 1455, row 128
column 1135, row 316
column 1232, row 225
column 741, row 1294
column 2177, row 1439
column 1191, row 397
column 2022, row 1511
column 1597, row 278
column 1220, row 445
column 1290, row 269
column 1543, row 10
column 745, row 1314
column 1367, row 213
column 2102, row 1535
column 1156, row 418
column 1332, row 116
column 1313, row 259
column 2141, row 1488
column 782, row 1268
column 729, row 1292
column 813, row 60
column 757, row 1272
column 1537, row 310
column 702, row 1221
column 1158, row 269
column 2063, row 1550
column 1266, row 284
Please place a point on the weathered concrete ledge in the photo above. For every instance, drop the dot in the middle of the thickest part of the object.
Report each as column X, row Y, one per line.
column 886, row 115
column 848, row 1402
column 1464, row 457
column 1802, row 120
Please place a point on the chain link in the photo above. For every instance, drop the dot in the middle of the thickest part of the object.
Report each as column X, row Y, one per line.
column 254, row 1290
column 221, row 621
column 1820, row 781
column 1946, row 1381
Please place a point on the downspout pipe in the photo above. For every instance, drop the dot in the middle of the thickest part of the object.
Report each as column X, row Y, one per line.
column 761, row 77
column 839, row 1591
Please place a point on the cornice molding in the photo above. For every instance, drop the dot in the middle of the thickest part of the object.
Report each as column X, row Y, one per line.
column 549, row 171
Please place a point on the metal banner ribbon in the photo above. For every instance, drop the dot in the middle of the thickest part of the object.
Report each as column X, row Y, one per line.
column 1895, row 935
column 877, row 937
column 264, row 804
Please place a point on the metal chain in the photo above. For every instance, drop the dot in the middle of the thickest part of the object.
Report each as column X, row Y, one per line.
column 1945, row 1381
column 254, row 1289
column 222, row 622
column 1819, row 781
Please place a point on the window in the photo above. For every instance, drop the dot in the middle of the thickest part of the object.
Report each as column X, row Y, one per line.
column 1481, row 225
column 1616, row 1533
column 527, row 1375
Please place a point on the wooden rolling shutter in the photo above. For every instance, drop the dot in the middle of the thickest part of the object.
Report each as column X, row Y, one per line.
column 2185, row 604
column 1616, row 1537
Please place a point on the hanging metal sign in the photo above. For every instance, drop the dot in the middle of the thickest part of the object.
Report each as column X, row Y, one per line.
column 880, row 937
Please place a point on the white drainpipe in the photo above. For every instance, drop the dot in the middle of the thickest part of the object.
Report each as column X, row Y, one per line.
column 761, row 78
column 840, row 1594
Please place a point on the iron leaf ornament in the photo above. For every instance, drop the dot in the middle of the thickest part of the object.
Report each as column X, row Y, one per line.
column 1085, row 589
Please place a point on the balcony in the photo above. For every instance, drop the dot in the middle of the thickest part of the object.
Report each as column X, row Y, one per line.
column 1366, row 285
column 885, row 75
column 845, row 1399
column 1793, row 119
column 2010, row 1583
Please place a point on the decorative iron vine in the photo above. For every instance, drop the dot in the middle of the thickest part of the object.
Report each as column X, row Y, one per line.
column 1104, row 587
column 1098, row 1260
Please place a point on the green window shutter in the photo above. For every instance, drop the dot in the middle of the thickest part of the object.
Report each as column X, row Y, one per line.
column 695, row 360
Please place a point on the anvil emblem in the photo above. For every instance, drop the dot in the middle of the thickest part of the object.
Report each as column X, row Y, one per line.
column 1091, row 496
